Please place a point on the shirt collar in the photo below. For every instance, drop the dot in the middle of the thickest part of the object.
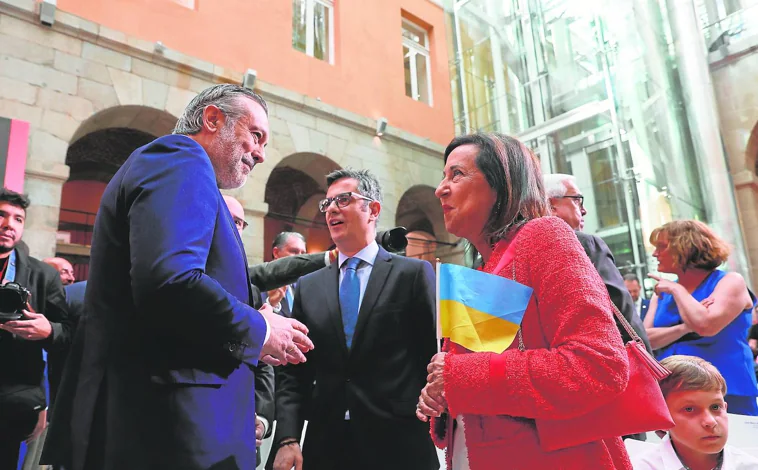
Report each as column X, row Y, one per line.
column 671, row 460
column 668, row 455
column 367, row 254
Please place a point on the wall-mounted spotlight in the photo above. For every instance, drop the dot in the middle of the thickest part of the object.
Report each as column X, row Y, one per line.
column 381, row 126
column 248, row 81
column 159, row 48
column 47, row 12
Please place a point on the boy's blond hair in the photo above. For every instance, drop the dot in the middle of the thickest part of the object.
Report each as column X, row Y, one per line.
column 689, row 373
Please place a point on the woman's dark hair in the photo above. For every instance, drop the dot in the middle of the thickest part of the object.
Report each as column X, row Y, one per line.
column 513, row 172
column 14, row 198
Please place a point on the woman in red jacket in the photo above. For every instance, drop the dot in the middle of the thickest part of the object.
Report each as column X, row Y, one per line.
column 573, row 359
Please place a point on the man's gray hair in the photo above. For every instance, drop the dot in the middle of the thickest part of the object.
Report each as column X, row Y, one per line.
column 555, row 184
column 282, row 238
column 225, row 97
column 368, row 185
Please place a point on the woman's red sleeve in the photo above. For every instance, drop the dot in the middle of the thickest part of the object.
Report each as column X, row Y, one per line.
column 585, row 365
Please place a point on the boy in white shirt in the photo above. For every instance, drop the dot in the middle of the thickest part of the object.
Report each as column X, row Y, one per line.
column 694, row 393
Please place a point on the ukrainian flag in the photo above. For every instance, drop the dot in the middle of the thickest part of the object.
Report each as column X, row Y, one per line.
column 479, row 311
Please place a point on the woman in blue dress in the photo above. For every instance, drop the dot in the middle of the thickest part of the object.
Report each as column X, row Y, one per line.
column 707, row 312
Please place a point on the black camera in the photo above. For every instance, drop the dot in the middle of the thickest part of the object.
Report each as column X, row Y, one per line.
column 13, row 299
column 393, row 240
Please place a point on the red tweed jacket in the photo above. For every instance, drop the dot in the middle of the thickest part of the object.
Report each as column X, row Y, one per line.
column 574, row 362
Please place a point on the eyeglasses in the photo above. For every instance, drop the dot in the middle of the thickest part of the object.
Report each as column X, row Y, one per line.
column 342, row 200
column 240, row 223
column 577, row 199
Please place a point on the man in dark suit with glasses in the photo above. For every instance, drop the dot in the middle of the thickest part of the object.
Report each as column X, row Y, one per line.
column 371, row 318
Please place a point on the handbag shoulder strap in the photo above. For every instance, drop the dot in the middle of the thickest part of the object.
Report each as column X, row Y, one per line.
column 623, row 321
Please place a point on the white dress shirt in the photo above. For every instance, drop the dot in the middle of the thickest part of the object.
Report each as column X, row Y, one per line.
column 663, row 457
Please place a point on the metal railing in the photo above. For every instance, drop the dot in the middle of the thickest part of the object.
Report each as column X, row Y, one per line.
column 738, row 25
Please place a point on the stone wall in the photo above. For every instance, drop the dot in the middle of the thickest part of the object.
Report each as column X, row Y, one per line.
column 77, row 76
column 734, row 71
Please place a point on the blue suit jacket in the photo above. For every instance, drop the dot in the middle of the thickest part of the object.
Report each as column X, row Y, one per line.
column 161, row 367
column 644, row 306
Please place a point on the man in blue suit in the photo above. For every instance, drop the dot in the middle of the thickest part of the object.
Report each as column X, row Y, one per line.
column 161, row 372
column 633, row 286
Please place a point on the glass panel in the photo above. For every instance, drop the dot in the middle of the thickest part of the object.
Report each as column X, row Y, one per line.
column 408, row 77
column 321, row 32
column 422, row 62
column 298, row 24
column 520, row 63
column 414, row 34
column 478, row 75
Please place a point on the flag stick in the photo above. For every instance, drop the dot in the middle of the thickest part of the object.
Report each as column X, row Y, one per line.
column 437, row 316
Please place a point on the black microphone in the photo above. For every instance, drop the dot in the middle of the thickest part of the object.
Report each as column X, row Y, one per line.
column 393, row 240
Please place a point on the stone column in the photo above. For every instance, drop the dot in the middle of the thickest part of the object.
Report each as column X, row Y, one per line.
column 44, row 182
column 702, row 114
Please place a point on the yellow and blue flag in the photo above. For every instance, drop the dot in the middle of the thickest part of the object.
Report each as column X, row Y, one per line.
column 479, row 311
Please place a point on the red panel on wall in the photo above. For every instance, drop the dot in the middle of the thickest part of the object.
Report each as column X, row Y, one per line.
column 14, row 143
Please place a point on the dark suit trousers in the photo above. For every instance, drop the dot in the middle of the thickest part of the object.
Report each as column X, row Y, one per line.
column 9, row 454
column 342, row 455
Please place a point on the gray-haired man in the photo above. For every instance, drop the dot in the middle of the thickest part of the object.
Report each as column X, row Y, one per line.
column 567, row 202
column 161, row 372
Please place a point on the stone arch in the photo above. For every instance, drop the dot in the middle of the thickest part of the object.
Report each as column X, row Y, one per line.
column 96, row 151
column 751, row 151
column 103, row 142
column 141, row 118
column 420, row 212
column 293, row 189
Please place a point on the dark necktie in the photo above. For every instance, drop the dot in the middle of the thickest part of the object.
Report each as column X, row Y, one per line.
column 350, row 294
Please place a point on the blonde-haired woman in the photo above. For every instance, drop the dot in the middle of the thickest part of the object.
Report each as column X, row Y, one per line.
column 707, row 312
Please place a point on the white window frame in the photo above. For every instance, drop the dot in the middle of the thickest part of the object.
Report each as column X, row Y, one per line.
column 417, row 49
column 310, row 7
column 189, row 4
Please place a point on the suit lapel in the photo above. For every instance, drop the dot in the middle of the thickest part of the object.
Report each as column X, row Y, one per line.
column 376, row 282
column 332, row 289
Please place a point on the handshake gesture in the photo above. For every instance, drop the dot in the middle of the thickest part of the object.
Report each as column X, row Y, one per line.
column 288, row 339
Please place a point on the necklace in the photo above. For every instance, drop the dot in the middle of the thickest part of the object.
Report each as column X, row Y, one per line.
column 718, row 464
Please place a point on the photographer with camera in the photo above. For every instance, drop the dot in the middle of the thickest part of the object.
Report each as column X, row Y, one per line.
column 32, row 317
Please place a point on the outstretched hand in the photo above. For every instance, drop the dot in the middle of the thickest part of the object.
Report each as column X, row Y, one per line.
column 288, row 340
column 664, row 286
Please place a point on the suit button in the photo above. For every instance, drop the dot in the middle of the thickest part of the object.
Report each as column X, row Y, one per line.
column 347, row 380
